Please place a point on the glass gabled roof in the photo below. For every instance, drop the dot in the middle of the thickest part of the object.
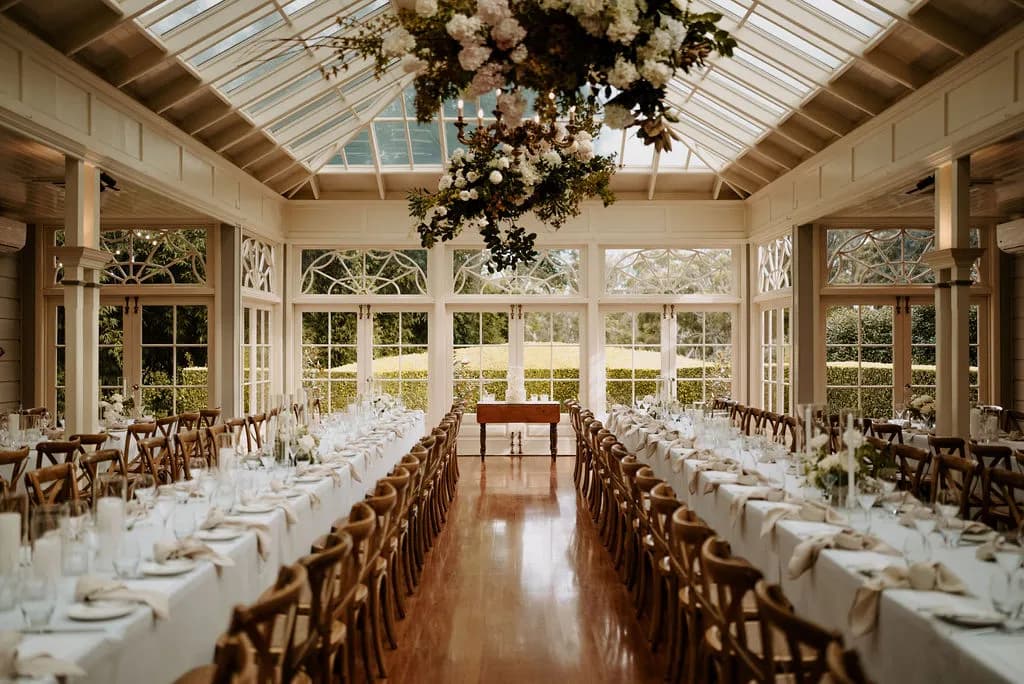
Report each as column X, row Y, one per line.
column 260, row 55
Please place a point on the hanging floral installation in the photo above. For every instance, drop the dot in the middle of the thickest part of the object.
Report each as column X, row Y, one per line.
column 539, row 166
column 625, row 51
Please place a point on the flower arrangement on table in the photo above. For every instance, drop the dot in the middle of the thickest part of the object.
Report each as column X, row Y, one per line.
column 513, row 168
column 305, row 444
column 922, row 407
column 116, row 410
column 827, row 470
column 628, row 50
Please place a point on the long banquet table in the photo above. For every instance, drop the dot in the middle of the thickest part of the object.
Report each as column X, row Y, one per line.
column 908, row 645
column 139, row 648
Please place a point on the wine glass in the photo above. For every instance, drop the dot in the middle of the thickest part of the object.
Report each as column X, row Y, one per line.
column 128, row 558
column 888, row 479
column 916, row 549
column 1006, row 591
column 38, row 595
column 164, row 505
column 1008, row 555
column 868, row 491
column 184, row 522
column 145, row 489
column 924, row 520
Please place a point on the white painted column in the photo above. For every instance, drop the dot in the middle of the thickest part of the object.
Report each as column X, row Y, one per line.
column 943, row 356
column 803, row 319
column 594, row 333
column 83, row 262
column 439, row 267
column 226, row 361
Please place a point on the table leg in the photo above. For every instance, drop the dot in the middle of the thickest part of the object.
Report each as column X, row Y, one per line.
column 483, row 440
column 554, row 440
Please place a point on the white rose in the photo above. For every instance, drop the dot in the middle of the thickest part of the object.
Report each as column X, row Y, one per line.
column 473, row 57
column 519, row 54
column 397, row 43
column 658, row 73
column 411, row 64
column 117, row 396
column 463, row 29
column 508, row 33
column 552, row 158
column 472, row 176
column 307, row 443
column 623, row 74
column 618, row 117
column 460, row 182
column 426, row 8
column 464, row 195
column 819, row 440
column 445, row 182
column 495, row 177
column 473, row 193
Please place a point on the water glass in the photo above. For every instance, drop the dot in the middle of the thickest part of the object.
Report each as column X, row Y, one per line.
column 184, row 522
column 128, row 557
column 917, row 549
column 145, row 489
column 1008, row 555
column 164, row 505
column 868, row 491
column 38, row 595
column 1006, row 591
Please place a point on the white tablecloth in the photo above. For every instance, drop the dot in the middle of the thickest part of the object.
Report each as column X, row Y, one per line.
column 138, row 648
column 907, row 646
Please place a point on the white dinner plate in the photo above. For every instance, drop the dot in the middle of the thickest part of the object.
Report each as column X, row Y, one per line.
column 969, row 618
column 90, row 611
column 171, row 568
column 220, row 534
column 308, row 479
column 976, row 538
column 254, row 508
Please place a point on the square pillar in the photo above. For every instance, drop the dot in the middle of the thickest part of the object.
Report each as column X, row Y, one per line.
column 803, row 321
column 225, row 362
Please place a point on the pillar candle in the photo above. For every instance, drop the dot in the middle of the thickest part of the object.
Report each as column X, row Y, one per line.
column 110, row 527
column 10, row 542
column 13, row 422
column 46, row 559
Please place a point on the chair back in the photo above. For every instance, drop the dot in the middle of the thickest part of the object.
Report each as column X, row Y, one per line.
column 1013, row 420
column 382, row 501
column 359, row 525
column 187, row 421
column 208, row 417
column 843, row 666
column 890, row 432
column 956, row 474
column 269, row 624
column 136, row 433
column 728, row 581
column 92, row 462
column 991, row 455
column 238, row 428
column 90, row 441
column 208, row 442
column 1002, row 498
column 52, row 484
column 913, row 464
column 154, row 457
column 946, row 445
column 254, row 431
column 663, row 505
column 806, row 644
column 54, row 452
column 323, row 570
column 188, row 453
column 166, row 427
column 18, row 460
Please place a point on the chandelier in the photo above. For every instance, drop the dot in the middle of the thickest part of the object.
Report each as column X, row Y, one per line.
column 543, row 130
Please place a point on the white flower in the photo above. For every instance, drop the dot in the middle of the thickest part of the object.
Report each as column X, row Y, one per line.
column 503, row 162
column 442, row 210
column 508, row 33
column 117, row 397
column 426, row 8
column 473, row 193
column 464, row 29
column 472, row 176
column 623, row 30
column 397, row 43
column 818, row 441
column 583, row 8
column 512, row 106
column 307, row 443
column 445, row 182
column 464, row 195
column 552, row 158
column 487, row 78
column 473, row 57
column 411, row 64
column 495, row 177
column 460, row 182
column 623, row 74
column 853, row 438
column 658, row 73
column 470, row 156
column 519, row 54
column 617, row 116
column 492, row 11
column 584, row 149
column 458, row 154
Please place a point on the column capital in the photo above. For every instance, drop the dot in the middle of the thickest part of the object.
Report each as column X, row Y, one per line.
column 83, row 257
column 957, row 257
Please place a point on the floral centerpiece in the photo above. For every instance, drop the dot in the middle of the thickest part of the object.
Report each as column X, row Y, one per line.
column 510, row 169
column 628, row 50
column 922, row 407
column 827, row 470
column 305, row 445
column 116, row 410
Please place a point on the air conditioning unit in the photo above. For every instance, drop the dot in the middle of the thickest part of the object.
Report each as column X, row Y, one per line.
column 1010, row 236
column 12, row 235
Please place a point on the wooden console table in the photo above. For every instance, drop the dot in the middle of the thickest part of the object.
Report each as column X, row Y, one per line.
column 526, row 412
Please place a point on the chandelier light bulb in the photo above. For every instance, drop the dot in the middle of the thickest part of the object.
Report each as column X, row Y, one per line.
column 460, row 105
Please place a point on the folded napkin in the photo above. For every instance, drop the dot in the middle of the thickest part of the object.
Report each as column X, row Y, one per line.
column 912, row 511
column 987, row 551
column 806, row 553
column 191, row 549
column 678, row 458
column 43, row 665
column 281, row 489
column 745, row 478
column 919, row 577
column 811, row 511
column 634, row 438
column 93, row 588
column 717, row 465
column 753, row 493
column 273, row 501
column 323, row 471
column 969, row 526
column 216, row 518
column 905, row 499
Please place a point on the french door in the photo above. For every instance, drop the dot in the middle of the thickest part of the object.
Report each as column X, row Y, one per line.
column 150, row 349
column 351, row 350
column 882, row 352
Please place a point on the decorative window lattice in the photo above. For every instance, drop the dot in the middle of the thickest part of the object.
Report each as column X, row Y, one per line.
column 668, row 271
column 150, row 256
column 364, row 272
column 775, row 264
column 554, row 272
column 885, row 256
column 257, row 265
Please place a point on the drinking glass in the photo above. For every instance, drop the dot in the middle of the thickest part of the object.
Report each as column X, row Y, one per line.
column 868, row 491
column 184, row 522
column 224, row 496
column 76, row 526
column 924, row 521
column 128, row 557
column 888, row 480
column 164, row 505
column 1006, row 591
column 145, row 489
column 916, row 549
column 37, row 594
column 1008, row 555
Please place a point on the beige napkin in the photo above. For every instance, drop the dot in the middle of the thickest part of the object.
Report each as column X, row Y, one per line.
column 324, row 471
column 969, row 526
column 191, row 549
column 281, row 489
column 905, row 498
column 987, row 551
column 679, row 457
column 92, row 588
column 805, row 555
column 919, row 577
column 38, row 666
column 274, row 501
column 745, row 478
column 718, row 465
column 811, row 511
column 216, row 518
column 912, row 511
column 753, row 493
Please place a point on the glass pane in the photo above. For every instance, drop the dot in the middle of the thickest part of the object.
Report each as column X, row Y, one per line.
column 191, row 325
column 157, row 324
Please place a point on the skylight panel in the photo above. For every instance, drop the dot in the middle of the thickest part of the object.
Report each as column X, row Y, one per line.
column 637, row 154
column 727, row 114
column 278, row 95
column 426, row 143
column 746, row 92
column 296, row 5
column 358, row 152
column 301, row 112
column 179, row 17
column 733, row 9
column 792, row 41
column 845, row 17
column 392, row 111
column 784, row 78
column 337, row 160
column 320, row 130
column 391, row 143
column 259, row 70
column 608, row 141
column 369, row 9
column 235, row 39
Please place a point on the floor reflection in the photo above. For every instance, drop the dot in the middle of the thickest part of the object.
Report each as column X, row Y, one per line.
column 518, row 587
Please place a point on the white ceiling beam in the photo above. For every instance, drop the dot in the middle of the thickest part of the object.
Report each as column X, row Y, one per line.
column 741, row 181
column 314, row 185
column 930, row 22
column 862, row 99
column 652, row 180
column 232, row 136
column 819, row 114
column 906, row 75
column 800, row 136
column 717, row 188
column 376, row 163
column 777, row 154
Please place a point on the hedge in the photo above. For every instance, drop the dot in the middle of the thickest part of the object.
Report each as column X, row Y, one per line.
column 564, row 383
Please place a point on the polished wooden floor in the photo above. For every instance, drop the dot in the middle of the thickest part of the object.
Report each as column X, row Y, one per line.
column 518, row 588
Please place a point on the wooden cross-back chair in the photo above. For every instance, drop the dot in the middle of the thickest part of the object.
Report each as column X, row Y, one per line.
column 208, row 417
column 90, row 441
column 56, row 452
column 135, row 434
column 320, row 634
column 1002, row 495
column 355, row 609
column 233, row 663
column 254, row 431
column 805, row 644
column 890, row 432
column 991, row 455
column 957, row 474
column 187, row 421
column 914, row 465
column 188, row 454
column 97, row 463
column 208, row 438
column 52, row 484
column 154, row 459
column 18, row 460
column 843, row 666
